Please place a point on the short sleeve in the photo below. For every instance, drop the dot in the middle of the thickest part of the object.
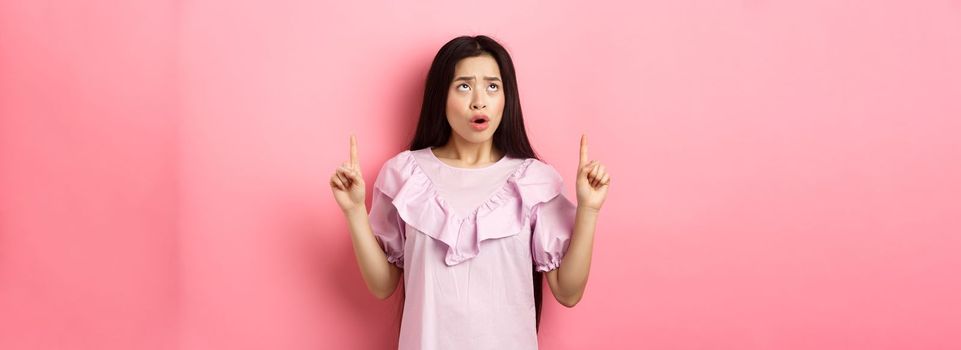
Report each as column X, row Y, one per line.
column 388, row 227
column 552, row 226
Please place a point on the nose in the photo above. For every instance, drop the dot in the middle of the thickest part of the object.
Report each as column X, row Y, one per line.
column 478, row 102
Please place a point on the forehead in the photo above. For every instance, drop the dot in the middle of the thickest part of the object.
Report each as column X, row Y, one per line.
column 483, row 65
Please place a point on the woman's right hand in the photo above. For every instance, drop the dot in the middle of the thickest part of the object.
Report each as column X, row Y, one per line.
column 347, row 183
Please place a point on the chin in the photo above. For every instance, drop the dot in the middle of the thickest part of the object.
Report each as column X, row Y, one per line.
column 478, row 138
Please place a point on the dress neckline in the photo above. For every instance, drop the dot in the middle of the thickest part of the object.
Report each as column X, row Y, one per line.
column 433, row 156
column 492, row 200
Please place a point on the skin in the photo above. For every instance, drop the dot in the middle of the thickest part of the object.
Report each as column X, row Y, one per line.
column 476, row 89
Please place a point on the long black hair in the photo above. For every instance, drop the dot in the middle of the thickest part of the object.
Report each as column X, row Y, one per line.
column 433, row 130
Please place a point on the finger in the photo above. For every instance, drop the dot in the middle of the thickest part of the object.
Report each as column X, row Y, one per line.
column 593, row 173
column 583, row 158
column 588, row 175
column 587, row 167
column 601, row 172
column 589, row 171
column 353, row 151
column 606, row 179
column 343, row 178
column 335, row 181
column 351, row 174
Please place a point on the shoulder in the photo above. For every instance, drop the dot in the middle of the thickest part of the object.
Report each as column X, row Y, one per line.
column 538, row 181
column 538, row 171
column 398, row 160
column 394, row 172
column 396, row 163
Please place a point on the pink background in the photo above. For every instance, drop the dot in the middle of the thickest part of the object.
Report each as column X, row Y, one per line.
column 786, row 176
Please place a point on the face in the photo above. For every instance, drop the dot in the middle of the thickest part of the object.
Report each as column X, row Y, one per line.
column 477, row 90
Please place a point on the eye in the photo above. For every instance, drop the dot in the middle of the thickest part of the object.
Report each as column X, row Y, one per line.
column 493, row 87
column 463, row 87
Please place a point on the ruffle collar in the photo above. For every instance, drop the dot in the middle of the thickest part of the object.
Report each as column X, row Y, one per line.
column 503, row 214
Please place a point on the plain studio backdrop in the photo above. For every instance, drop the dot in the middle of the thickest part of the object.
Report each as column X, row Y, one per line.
column 785, row 174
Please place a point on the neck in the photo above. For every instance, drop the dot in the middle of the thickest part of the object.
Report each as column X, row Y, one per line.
column 469, row 153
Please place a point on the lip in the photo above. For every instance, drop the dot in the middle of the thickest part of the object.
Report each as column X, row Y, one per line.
column 479, row 126
column 479, row 116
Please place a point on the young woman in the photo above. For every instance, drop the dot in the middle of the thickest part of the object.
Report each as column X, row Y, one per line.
column 468, row 215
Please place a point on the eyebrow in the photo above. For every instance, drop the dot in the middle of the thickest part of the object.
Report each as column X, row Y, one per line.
column 472, row 78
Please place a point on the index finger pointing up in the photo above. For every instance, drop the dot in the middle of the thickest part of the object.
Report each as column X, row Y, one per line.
column 583, row 160
column 353, row 151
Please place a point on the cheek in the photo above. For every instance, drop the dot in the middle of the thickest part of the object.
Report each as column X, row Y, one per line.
column 498, row 102
column 455, row 103
column 498, row 107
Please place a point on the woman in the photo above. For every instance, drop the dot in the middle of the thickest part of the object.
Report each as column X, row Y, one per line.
column 468, row 215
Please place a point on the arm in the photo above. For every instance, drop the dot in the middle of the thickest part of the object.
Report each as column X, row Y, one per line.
column 349, row 190
column 568, row 281
column 381, row 276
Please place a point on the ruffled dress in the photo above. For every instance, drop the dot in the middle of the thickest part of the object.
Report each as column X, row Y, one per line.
column 467, row 239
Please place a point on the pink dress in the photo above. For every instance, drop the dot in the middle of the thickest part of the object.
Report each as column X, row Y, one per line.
column 466, row 239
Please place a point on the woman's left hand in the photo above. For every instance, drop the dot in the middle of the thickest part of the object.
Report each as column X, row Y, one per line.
column 592, row 180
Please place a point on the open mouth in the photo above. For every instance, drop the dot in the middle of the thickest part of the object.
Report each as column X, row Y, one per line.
column 479, row 122
column 479, row 119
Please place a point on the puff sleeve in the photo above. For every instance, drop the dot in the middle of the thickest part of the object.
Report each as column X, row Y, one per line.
column 388, row 227
column 552, row 226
